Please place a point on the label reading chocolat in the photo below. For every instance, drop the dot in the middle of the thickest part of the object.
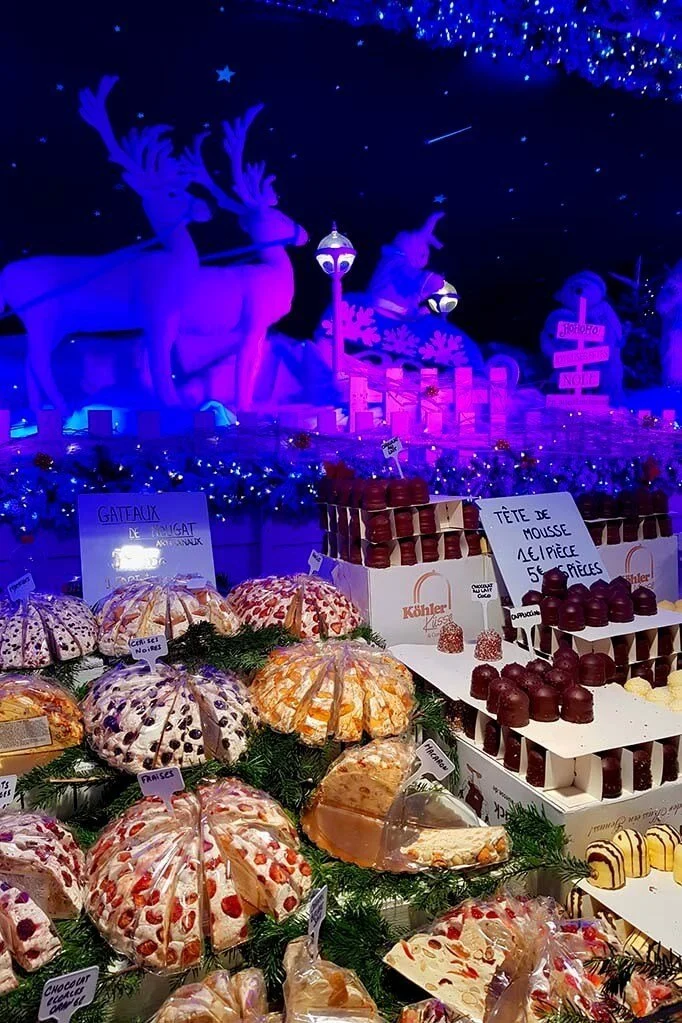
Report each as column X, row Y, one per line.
column 64, row 995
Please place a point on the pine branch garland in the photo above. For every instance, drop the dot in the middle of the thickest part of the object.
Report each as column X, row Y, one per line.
column 619, row 968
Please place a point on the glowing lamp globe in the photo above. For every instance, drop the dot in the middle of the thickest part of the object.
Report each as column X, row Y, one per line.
column 444, row 300
column 335, row 254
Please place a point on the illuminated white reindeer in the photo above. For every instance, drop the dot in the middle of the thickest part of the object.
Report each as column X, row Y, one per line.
column 129, row 289
column 231, row 308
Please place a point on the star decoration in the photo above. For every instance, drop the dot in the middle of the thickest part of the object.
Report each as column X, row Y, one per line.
column 225, row 74
column 59, row 87
column 439, row 199
column 360, row 42
column 117, row 28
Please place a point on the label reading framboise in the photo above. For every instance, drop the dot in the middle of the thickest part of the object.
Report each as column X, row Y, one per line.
column 162, row 783
column 31, row 733
column 316, row 914
column 315, row 562
column 64, row 995
column 21, row 588
column 149, row 648
column 8, row 786
column 432, row 761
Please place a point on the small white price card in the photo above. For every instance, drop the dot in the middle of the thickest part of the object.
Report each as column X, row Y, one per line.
column 21, row 588
column 525, row 617
column 315, row 562
column 316, row 915
column 391, row 449
column 162, row 783
column 432, row 761
column 8, row 786
column 149, row 649
column 483, row 591
column 64, row 995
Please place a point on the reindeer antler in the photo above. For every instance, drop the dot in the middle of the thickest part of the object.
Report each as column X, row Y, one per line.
column 144, row 154
column 193, row 165
column 250, row 185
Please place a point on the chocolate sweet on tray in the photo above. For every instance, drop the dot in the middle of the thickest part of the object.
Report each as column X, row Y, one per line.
column 512, row 750
column 491, row 738
column 649, row 528
column 374, row 495
column 488, row 646
column 600, row 588
column 671, row 766
column 578, row 591
column 577, row 705
column 613, row 535
column 544, row 703
column 378, row 556
column 630, row 530
column 606, row 862
column 404, row 524
column 611, row 774
column 531, row 597
column 621, row 608
column 427, row 519
column 451, row 638
column 566, row 653
column 470, row 516
column 481, row 677
column 419, row 491
column 540, row 666
column 549, row 609
column 620, row 651
column 497, row 685
column 429, row 548
column 473, row 541
column 560, row 679
column 469, row 715
column 659, row 500
column 621, row 583
column 571, row 616
column 378, row 527
column 513, row 671
column 661, row 672
column 535, row 770
column 666, row 639
column 635, row 852
column 596, row 613
column 641, row 767
column 644, row 601
column 452, row 546
column 554, row 583
column 408, row 550
column 592, row 670
column 642, row 646
column 513, row 708
column 398, row 494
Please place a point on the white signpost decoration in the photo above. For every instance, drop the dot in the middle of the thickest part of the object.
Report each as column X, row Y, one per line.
column 21, row 588
column 432, row 761
column 484, row 592
column 142, row 536
column 533, row 533
column 584, row 334
column 316, row 914
column 163, row 783
column 391, row 449
column 315, row 562
column 526, row 617
column 149, row 649
column 64, row 995
column 8, row 786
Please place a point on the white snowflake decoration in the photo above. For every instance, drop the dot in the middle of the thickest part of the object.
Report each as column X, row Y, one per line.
column 446, row 349
column 357, row 324
column 400, row 340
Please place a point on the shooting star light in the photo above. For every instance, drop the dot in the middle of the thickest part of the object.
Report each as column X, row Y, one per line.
column 449, row 135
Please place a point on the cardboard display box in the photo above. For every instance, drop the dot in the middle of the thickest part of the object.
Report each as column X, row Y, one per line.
column 651, row 563
column 490, row 790
column 410, row 603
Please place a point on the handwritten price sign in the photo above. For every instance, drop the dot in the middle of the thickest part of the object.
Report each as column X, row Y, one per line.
column 530, row 534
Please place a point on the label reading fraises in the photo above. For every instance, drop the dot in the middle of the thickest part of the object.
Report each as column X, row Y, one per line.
column 149, row 648
column 162, row 783
column 392, row 447
column 432, row 761
column 483, row 591
column 8, row 786
column 315, row 562
column 31, row 733
column 64, row 995
column 21, row 588
column 525, row 617
column 316, row 915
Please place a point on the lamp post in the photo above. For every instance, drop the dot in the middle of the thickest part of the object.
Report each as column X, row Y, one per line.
column 336, row 255
column 444, row 300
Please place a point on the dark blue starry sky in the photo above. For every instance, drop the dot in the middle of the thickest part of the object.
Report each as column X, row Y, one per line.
column 552, row 176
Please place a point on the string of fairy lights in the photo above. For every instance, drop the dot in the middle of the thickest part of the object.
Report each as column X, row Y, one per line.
column 633, row 45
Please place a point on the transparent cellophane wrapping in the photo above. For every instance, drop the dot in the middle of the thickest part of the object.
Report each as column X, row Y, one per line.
column 317, row 991
column 39, row 855
column 220, row 998
column 151, row 607
column 339, row 689
column 45, row 629
column 515, row 960
column 161, row 883
column 370, row 810
column 430, row 1010
column 36, row 716
column 306, row 605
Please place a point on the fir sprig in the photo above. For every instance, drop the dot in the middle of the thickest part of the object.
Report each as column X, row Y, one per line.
column 619, row 968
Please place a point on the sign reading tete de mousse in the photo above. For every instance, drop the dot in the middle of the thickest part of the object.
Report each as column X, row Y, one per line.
column 124, row 537
column 530, row 534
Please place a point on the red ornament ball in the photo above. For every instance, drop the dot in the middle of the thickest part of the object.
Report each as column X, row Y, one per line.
column 43, row 460
column 301, row 441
